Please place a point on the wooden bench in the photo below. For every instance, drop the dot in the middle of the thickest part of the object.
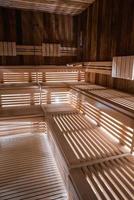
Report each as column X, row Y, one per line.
column 106, row 180
column 75, row 142
column 32, row 94
column 87, row 87
column 13, row 126
column 118, row 121
column 40, row 74
column 21, row 112
column 121, row 99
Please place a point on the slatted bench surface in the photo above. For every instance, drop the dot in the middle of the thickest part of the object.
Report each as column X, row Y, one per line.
column 18, row 88
column 53, row 85
column 35, row 85
column 21, row 112
column 89, row 87
column 21, row 126
column 28, row 170
column 59, row 108
column 116, row 123
column 79, row 140
column 120, row 98
column 27, row 94
column 109, row 93
column 18, row 85
column 110, row 180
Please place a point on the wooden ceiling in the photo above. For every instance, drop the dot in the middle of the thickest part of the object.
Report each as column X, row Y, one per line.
column 71, row 7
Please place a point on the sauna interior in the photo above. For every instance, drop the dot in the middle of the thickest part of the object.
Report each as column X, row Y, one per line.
column 66, row 99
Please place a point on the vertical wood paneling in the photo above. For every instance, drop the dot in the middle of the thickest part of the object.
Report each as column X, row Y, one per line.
column 34, row 28
column 110, row 30
column 94, row 28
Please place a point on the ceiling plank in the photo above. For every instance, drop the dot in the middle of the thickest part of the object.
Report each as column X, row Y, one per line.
column 66, row 7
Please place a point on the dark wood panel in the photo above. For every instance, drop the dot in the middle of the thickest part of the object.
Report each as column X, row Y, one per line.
column 34, row 28
column 109, row 25
column 72, row 7
column 107, row 28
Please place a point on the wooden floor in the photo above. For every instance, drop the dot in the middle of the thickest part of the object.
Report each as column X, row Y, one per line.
column 28, row 170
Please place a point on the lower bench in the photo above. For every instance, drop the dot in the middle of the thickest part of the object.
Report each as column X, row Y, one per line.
column 76, row 142
column 110, row 180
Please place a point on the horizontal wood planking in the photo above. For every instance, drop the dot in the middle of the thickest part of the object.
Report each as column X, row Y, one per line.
column 123, row 102
column 112, row 121
column 77, row 134
column 24, row 112
column 104, row 67
column 22, row 126
column 18, row 26
column 28, row 96
column 98, row 64
column 46, row 50
column 25, row 74
column 31, row 171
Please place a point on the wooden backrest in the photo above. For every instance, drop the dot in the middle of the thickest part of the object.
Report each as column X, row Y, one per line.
column 116, row 123
column 28, row 95
column 21, row 74
column 22, row 126
column 123, row 67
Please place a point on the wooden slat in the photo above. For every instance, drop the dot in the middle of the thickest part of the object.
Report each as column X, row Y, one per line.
column 29, row 95
column 85, row 141
column 20, row 112
column 28, row 169
column 123, row 67
column 89, row 87
column 107, row 180
column 112, row 121
column 24, row 74
column 7, row 49
column 120, row 98
column 22, row 126
column 99, row 64
column 46, row 50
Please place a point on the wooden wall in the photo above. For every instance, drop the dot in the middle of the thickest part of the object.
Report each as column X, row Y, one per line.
column 35, row 28
column 107, row 29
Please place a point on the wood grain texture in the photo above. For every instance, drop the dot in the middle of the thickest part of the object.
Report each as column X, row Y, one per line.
column 79, row 136
column 35, row 28
column 116, row 122
column 108, row 180
column 108, row 24
column 28, row 170
column 107, row 29
column 26, row 74
column 71, row 7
